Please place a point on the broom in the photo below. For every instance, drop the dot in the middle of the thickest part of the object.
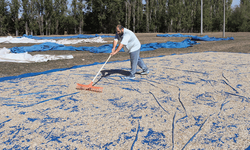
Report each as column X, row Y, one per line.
column 90, row 86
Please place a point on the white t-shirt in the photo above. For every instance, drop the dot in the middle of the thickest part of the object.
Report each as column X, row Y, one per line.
column 129, row 40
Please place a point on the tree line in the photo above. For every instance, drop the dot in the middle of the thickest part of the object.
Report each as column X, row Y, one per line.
column 57, row 17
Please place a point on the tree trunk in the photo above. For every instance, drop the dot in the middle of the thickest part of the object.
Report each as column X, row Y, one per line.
column 129, row 14
column 16, row 32
column 134, row 5
column 49, row 27
column 138, row 14
column 41, row 25
column 150, row 13
column 26, row 28
column 147, row 17
column 57, row 25
column 80, row 27
column 156, row 8
column 46, row 27
column 126, row 16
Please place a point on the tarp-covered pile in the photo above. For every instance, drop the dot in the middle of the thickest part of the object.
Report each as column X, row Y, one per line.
column 206, row 38
column 173, row 35
column 101, row 49
column 195, row 38
column 7, row 56
column 11, row 39
column 66, row 37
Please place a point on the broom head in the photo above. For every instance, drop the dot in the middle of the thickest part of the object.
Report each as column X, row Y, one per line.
column 89, row 87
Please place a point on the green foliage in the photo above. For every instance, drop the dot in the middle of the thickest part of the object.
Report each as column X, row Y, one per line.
column 14, row 8
column 102, row 16
column 239, row 20
column 245, row 15
column 4, row 17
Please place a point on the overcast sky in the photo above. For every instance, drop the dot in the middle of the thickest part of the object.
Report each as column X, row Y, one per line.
column 235, row 2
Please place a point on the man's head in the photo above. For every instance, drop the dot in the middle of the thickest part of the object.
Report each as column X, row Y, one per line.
column 119, row 29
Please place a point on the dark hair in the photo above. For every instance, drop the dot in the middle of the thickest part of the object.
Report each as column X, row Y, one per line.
column 120, row 27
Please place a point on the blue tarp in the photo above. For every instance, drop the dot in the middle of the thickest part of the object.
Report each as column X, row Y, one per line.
column 173, row 35
column 195, row 38
column 66, row 37
column 101, row 49
column 206, row 38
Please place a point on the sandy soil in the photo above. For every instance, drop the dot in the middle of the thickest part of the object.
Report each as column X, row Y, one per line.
column 199, row 100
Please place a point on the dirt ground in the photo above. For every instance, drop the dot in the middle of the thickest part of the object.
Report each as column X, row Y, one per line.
column 240, row 44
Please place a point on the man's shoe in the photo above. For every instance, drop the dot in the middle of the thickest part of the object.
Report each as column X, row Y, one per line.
column 145, row 72
column 129, row 78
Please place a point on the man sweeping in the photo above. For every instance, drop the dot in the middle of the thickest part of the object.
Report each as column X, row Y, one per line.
column 132, row 45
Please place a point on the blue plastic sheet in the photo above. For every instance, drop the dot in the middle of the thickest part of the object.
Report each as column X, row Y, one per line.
column 173, row 35
column 44, row 72
column 207, row 38
column 80, row 36
column 107, row 48
column 195, row 38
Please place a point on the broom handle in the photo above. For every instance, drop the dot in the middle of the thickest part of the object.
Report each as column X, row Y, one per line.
column 101, row 68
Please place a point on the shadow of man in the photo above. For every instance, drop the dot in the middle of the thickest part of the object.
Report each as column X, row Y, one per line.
column 106, row 73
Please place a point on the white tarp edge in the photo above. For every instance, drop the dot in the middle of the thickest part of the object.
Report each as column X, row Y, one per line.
column 10, row 39
column 7, row 56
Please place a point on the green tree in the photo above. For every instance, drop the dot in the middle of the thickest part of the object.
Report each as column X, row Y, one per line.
column 25, row 14
column 14, row 8
column 96, row 15
column 139, row 15
column 245, row 15
column 40, row 15
column 80, row 10
column 104, row 15
column 33, row 26
column 161, row 16
column 115, row 14
column 207, row 16
column 48, row 13
column 235, row 20
column 186, row 19
column 174, row 14
column 74, row 14
column 60, row 9
column 4, row 17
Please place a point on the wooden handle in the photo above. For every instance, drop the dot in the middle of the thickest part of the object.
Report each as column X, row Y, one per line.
column 101, row 68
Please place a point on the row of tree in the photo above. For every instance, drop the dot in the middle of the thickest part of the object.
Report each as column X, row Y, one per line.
column 47, row 17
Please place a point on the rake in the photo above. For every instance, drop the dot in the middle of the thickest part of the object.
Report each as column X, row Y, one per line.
column 90, row 86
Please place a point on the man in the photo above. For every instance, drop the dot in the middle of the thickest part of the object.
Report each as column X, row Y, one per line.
column 132, row 45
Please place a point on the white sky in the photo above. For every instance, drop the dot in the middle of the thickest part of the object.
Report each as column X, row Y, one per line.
column 235, row 2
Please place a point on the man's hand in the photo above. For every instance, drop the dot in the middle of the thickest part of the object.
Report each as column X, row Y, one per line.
column 117, row 50
column 113, row 53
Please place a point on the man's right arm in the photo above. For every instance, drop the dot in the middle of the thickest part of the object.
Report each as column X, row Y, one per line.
column 115, row 42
